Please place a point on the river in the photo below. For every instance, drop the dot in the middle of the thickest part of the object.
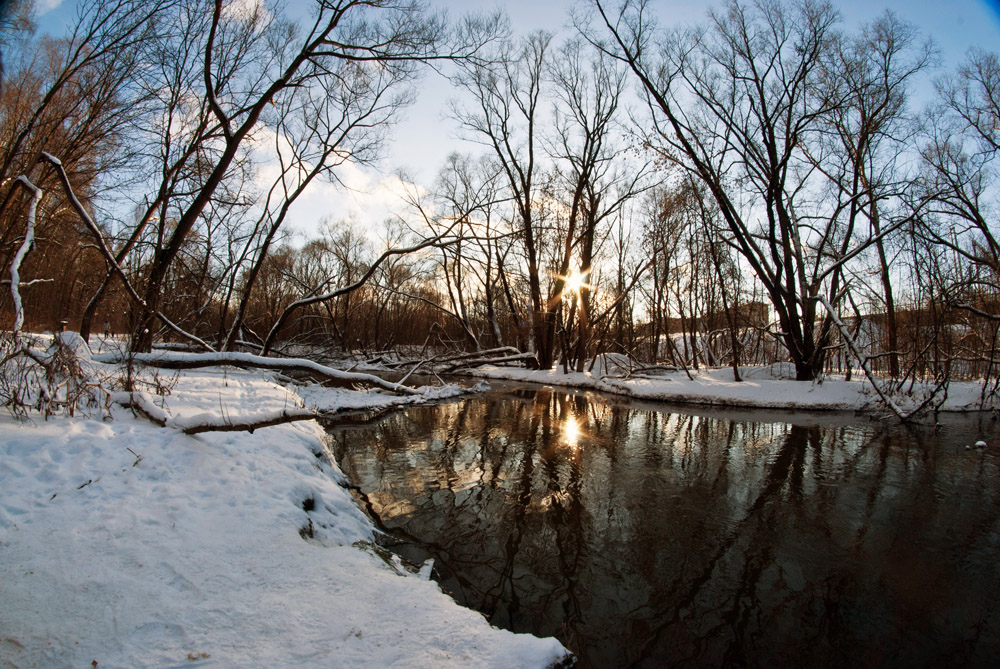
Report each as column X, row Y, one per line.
column 645, row 535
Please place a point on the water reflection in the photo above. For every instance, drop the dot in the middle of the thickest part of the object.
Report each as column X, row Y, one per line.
column 571, row 432
column 646, row 538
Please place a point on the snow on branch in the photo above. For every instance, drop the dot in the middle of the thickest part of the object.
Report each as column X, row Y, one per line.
column 493, row 357
column 28, row 284
column 25, row 248
column 249, row 360
column 451, row 362
column 206, row 422
column 144, row 405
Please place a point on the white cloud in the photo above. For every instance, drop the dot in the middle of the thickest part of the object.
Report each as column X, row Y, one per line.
column 245, row 10
column 366, row 196
column 45, row 6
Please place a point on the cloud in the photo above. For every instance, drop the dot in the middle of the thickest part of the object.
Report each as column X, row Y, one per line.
column 245, row 10
column 367, row 197
column 45, row 6
column 364, row 195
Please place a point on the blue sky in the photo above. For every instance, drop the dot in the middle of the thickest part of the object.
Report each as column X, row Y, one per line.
column 424, row 138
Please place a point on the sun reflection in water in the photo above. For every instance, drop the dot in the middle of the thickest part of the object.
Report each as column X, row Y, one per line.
column 571, row 433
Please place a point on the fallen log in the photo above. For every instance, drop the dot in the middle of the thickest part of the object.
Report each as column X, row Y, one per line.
column 452, row 361
column 476, row 362
column 143, row 404
column 250, row 361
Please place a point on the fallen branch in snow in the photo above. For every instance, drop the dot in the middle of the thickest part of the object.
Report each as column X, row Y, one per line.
column 502, row 350
column 451, row 362
column 248, row 360
column 476, row 362
column 654, row 371
column 252, row 422
column 143, row 404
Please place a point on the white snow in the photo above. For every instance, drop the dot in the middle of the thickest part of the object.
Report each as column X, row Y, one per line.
column 133, row 545
column 74, row 343
column 761, row 387
column 250, row 359
column 130, row 544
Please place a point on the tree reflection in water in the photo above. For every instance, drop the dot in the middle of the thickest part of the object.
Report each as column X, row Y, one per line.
column 642, row 537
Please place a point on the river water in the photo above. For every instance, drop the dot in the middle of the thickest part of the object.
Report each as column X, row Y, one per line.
column 641, row 535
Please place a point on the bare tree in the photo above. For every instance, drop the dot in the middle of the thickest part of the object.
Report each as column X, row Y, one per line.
column 249, row 63
column 960, row 159
column 505, row 115
column 15, row 21
column 317, row 295
column 862, row 148
column 468, row 192
column 73, row 97
column 596, row 175
column 735, row 105
column 342, row 117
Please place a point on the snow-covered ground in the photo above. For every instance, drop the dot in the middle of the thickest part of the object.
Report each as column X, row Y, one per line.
column 124, row 544
column 127, row 544
column 761, row 387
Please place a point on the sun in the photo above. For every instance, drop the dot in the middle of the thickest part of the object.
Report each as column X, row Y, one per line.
column 574, row 282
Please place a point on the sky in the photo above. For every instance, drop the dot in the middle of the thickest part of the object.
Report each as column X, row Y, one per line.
column 424, row 137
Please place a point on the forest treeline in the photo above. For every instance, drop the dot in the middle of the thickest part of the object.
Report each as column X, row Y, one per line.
column 765, row 186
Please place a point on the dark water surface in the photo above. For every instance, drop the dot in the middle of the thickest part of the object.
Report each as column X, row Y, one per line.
column 642, row 536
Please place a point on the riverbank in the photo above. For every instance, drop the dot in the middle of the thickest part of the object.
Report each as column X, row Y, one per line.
column 760, row 388
column 633, row 529
column 124, row 544
column 128, row 544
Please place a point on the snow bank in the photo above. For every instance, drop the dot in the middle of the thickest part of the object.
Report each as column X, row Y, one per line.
column 126, row 544
column 762, row 387
column 74, row 343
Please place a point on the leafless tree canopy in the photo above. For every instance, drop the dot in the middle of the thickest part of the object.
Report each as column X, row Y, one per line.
column 763, row 186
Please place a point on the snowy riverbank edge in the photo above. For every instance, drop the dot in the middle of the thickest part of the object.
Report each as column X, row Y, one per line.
column 127, row 544
column 761, row 388
column 124, row 544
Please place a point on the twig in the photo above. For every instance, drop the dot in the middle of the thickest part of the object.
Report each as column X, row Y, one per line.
column 863, row 361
